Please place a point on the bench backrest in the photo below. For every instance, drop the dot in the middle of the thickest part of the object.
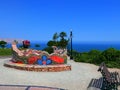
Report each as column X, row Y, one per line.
column 105, row 72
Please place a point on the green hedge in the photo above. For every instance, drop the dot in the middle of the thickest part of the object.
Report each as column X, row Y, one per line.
column 5, row 52
column 111, row 57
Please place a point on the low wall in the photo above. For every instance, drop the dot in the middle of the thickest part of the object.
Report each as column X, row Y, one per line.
column 38, row 68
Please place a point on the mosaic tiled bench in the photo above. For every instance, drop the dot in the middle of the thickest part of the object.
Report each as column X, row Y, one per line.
column 39, row 68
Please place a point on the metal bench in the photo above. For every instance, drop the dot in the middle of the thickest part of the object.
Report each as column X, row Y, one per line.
column 108, row 81
column 111, row 80
column 95, row 84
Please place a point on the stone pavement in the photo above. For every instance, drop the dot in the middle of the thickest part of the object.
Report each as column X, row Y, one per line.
column 76, row 79
column 25, row 87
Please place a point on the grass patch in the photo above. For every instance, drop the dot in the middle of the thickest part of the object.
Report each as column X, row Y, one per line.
column 5, row 52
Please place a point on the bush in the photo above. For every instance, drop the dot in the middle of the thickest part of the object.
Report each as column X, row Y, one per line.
column 5, row 52
column 2, row 44
column 48, row 49
column 111, row 57
column 81, row 57
column 113, row 64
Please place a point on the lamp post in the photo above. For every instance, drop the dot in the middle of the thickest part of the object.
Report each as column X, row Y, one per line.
column 71, row 57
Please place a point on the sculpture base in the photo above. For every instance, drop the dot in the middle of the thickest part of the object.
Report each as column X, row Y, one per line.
column 38, row 68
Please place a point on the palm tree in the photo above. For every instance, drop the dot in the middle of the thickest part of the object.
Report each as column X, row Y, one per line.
column 63, row 42
column 63, row 35
column 55, row 37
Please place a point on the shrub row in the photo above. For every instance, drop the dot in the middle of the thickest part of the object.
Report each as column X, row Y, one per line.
column 110, row 56
column 5, row 52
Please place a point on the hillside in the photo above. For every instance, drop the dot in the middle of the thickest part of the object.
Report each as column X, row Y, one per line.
column 9, row 40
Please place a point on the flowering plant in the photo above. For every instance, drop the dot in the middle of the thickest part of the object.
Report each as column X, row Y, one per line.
column 26, row 43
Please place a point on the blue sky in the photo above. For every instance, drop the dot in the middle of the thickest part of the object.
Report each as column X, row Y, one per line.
column 38, row 20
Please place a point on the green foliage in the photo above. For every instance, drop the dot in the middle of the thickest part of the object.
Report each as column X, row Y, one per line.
column 63, row 35
column 113, row 64
column 5, row 52
column 93, row 52
column 2, row 44
column 48, row 49
column 62, row 43
column 52, row 43
column 110, row 56
column 94, row 56
column 55, row 37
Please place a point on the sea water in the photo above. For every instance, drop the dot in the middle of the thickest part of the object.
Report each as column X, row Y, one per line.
column 79, row 46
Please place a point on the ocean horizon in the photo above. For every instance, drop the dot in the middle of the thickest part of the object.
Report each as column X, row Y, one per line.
column 79, row 46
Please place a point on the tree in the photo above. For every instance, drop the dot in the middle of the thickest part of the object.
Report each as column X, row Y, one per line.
column 52, row 43
column 94, row 56
column 55, row 37
column 110, row 54
column 63, row 43
column 2, row 44
column 48, row 49
column 63, row 35
column 94, row 52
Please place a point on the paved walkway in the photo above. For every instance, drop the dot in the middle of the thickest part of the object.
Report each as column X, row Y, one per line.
column 76, row 79
column 23, row 87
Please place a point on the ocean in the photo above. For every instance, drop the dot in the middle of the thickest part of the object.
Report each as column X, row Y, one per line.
column 86, row 47
column 80, row 47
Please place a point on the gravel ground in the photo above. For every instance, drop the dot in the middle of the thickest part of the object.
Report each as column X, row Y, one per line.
column 76, row 79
